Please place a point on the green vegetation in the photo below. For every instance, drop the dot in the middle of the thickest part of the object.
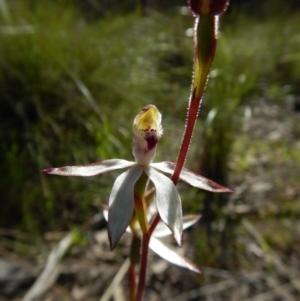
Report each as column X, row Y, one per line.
column 70, row 86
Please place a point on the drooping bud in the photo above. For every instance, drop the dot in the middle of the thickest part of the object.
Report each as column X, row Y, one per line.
column 208, row 7
column 147, row 131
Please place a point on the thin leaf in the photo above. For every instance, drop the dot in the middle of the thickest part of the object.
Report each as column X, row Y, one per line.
column 121, row 204
column 168, row 202
column 169, row 254
column 89, row 170
column 191, row 178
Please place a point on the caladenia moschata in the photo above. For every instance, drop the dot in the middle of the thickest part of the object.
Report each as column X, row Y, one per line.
column 132, row 200
column 127, row 204
column 165, row 251
column 132, row 196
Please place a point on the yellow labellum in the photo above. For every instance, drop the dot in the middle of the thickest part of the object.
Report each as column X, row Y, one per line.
column 149, row 119
column 147, row 130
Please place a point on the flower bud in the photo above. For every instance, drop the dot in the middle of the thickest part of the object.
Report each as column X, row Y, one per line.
column 147, row 130
column 208, row 7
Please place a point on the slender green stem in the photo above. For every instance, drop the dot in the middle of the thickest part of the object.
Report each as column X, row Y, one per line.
column 143, row 267
column 192, row 114
column 154, row 224
column 132, row 281
column 134, row 259
column 141, row 215
column 144, row 258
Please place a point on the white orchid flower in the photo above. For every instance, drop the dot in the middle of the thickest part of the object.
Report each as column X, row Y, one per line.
column 163, row 250
column 169, row 253
column 147, row 131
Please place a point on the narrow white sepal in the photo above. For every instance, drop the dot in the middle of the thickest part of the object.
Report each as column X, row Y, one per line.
column 191, row 178
column 168, row 202
column 121, row 204
column 171, row 255
column 91, row 169
column 162, row 230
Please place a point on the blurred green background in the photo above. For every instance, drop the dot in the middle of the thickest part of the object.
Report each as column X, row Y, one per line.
column 73, row 75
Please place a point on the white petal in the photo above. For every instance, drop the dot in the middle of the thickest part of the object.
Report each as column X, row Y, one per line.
column 105, row 215
column 168, row 202
column 89, row 170
column 190, row 220
column 162, row 230
column 171, row 255
column 121, row 204
column 191, row 177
